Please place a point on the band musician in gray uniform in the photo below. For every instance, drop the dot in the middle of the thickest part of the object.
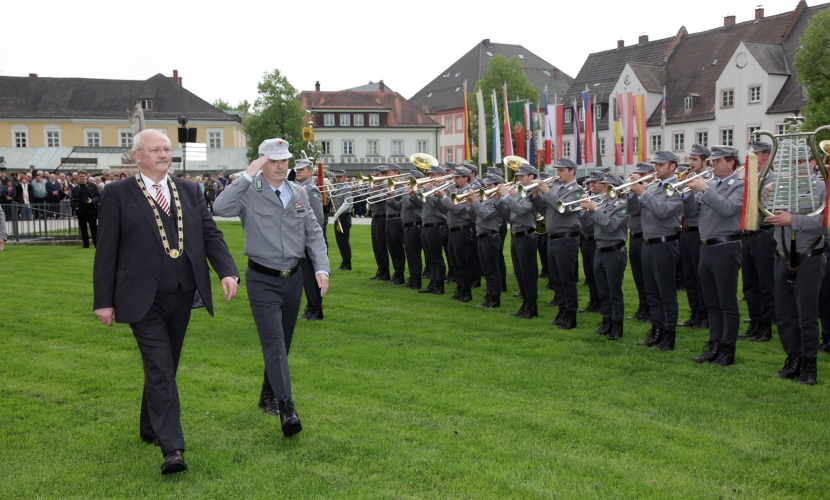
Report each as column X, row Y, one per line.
column 314, row 301
column 718, row 202
column 475, row 264
column 563, row 239
column 587, row 242
column 610, row 234
column 661, row 223
column 411, row 220
column 433, row 234
column 488, row 222
column 460, row 220
column 344, row 234
column 496, row 172
column 379, row 229
column 394, row 230
column 280, row 228
column 635, row 246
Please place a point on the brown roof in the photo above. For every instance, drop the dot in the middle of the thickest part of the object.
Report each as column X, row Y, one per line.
column 402, row 113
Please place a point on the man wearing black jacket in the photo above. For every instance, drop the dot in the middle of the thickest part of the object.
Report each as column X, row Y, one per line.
column 85, row 199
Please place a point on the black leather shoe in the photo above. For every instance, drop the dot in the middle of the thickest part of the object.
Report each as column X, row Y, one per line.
column 604, row 327
column 149, row 440
column 397, row 279
column 709, row 353
column 702, row 321
column 288, row 418
column 345, row 267
column 809, row 371
column 476, row 283
column 268, row 401
column 568, row 320
column 764, row 332
column 726, row 355
column 439, row 288
column 384, row 276
column 751, row 331
column 521, row 312
column 416, row 284
column 531, row 311
column 653, row 338
column 792, row 367
column 173, row 463
column 306, row 313
column 616, row 330
column 667, row 340
column 692, row 321
column 430, row 287
column 824, row 347
column 517, row 295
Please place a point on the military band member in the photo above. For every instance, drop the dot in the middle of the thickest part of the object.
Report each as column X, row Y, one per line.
column 522, row 217
column 452, row 265
column 488, row 222
column 587, row 243
column 304, row 172
column 497, row 172
column 411, row 219
column 343, row 236
column 635, row 245
column 394, row 231
column 563, row 239
column 660, row 217
column 690, row 242
column 460, row 219
column 433, row 233
column 717, row 203
column 475, row 264
column 379, row 246
column 610, row 234
column 542, row 245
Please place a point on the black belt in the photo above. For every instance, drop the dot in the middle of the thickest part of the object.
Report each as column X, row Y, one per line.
column 798, row 256
column 559, row 236
column 377, row 216
column 273, row 272
column 763, row 230
column 461, row 228
column 634, row 236
column 522, row 233
column 720, row 240
column 433, row 224
column 587, row 238
column 393, row 216
column 486, row 234
column 615, row 246
column 691, row 229
column 410, row 224
column 662, row 239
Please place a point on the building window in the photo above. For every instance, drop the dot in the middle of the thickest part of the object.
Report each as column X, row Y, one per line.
column 459, row 124
column 21, row 139
column 52, row 134
column 422, row 146
column 598, row 111
column 636, row 147
column 374, row 119
column 147, row 104
column 358, row 120
column 567, row 119
column 727, row 99
column 328, row 119
column 345, row 119
column 372, row 148
column 622, row 145
column 125, row 138
column 326, row 147
column 656, row 143
column 397, row 148
column 449, row 154
column 703, row 138
column 582, row 115
column 348, row 147
column 93, row 137
column 566, row 149
column 214, row 138
column 448, row 124
column 679, row 141
column 688, row 102
column 726, row 137
column 750, row 131
column 601, row 147
column 781, row 129
column 754, row 94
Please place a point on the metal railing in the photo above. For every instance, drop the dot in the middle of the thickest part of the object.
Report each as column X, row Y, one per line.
column 40, row 221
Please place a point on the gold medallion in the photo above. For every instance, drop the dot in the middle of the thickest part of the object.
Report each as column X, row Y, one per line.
column 174, row 253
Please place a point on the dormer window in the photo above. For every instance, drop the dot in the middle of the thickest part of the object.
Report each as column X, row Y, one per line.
column 688, row 102
column 146, row 104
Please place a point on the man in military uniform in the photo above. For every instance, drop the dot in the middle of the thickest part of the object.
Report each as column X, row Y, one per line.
column 379, row 228
column 542, row 245
column 610, row 234
column 475, row 264
column 717, row 205
column 433, row 233
column 279, row 228
column 452, row 265
column 488, row 222
column 587, row 243
column 411, row 220
column 635, row 245
column 522, row 215
column 394, row 230
column 563, row 234
column 497, row 172
column 304, row 172
column 342, row 232
column 661, row 223
column 460, row 221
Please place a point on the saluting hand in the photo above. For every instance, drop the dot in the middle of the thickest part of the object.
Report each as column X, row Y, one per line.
column 256, row 165
column 229, row 286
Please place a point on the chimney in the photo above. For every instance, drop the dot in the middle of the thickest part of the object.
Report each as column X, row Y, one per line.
column 759, row 13
column 643, row 39
column 32, row 75
column 556, row 73
column 317, row 86
column 728, row 21
column 176, row 79
column 381, row 86
column 620, row 44
column 486, row 42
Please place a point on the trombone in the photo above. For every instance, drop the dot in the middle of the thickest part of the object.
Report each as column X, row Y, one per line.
column 424, row 194
column 413, row 182
column 671, row 189
column 613, row 192
column 575, row 205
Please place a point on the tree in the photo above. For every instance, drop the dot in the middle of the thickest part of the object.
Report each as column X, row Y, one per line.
column 499, row 71
column 812, row 61
column 243, row 107
column 276, row 113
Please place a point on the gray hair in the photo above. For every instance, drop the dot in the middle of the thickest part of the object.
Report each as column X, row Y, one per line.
column 137, row 138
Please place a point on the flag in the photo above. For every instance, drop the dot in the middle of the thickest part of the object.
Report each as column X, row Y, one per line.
column 630, row 125
column 640, row 101
column 467, row 154
column 529, row 142
column 549, row 121
column 508, row 140
column 496, row 135
column 540, row 148
column 589, row 126
column 663, row 110
column 598, row 155
column 482, row 128
column 618, row 156
column 577, row 132
column 559, row 110
column 517, row 116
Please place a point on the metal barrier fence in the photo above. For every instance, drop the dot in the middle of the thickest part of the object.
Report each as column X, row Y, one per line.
column 40, row 221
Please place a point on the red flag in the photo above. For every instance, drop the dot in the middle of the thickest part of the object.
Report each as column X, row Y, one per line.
column 508, row 140
column 589, row 127
column 559, row 110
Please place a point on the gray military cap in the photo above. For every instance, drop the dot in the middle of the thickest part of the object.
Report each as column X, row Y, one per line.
column 416, row 174
column 725, row 152
column 380, row 169
column 665, row 157
column 437, row 169
column 564, row 162
column 461, row 172
column 596, row 175
column 301, row 163
column 644, row 168
column 393, row 166
column 700, row 150
column 544, row 175
column 495, row 171
column 493, row 179
column 758, row 146
column 450, row 166
column 339, row 173
column 527, row 170
column 612, row 179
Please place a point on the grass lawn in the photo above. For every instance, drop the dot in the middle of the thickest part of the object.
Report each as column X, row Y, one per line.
column 401, row 395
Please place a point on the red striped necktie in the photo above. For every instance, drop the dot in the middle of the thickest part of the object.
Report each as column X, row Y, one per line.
column 161, row 199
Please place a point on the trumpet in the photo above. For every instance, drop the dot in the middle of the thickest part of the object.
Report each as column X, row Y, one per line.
column 574, row 205
column 613, row 192
column 524, row 190
column 461, row 198
column 417, row 182
column 670, row 189
column 373, row 180
column 423, row 195
column 379, row 197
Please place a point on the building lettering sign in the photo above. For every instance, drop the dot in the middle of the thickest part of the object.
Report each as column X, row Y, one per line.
column 370, row 160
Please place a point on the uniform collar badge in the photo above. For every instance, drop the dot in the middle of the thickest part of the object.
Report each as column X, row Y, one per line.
column 258, row 185
column 732, row 181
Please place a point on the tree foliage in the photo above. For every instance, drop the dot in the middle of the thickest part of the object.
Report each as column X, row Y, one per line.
column 276, row 113
column 501, row 70
column 812, row 61
column 243, row 107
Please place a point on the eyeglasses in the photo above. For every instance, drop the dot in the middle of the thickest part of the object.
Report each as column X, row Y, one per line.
column 156, row 151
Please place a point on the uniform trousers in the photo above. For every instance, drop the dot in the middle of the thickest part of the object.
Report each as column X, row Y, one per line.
column 718, row 270
column 562, row 270
column 609, row 269
column 394, row 242
column 452, row 265
column 488, row 253
column 502, row 264
column 379, row 243
column 824, row 300
column 160, row 335
column 525, row 266
column 412, row 245
column 757, row 274
column 310, row 286
column 475, row 262
column 635, row 247
column 461, row 244
column 659, row 276
column 434, row 238
column 588, row 248
column 542, row 248
column 796, row 305
column 275, row 303
column 342, row 238
column 689, row 262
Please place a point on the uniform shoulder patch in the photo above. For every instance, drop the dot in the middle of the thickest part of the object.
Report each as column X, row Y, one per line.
column 577, row 196
column 623, row 212
column 315, row 195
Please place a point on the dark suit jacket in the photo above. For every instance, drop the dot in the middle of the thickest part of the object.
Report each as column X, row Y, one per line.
column 129, row 250
column 95, row 195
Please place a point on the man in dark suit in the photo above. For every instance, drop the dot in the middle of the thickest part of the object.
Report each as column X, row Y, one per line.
column 85, row 198
column 155, row 236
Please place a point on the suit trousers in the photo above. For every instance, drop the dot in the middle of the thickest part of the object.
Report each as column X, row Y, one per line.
column 609, row 269
column 689, row 262
column 659, row 275
column 635, row 247
column 88, row 219
column 525, row 266
column 394, row 242
column 379, row 243
column 757, row 274
column 160, row 335
column 342, row 238
column 562, row 270
column 461, row 243
column 718, row 270
column 488, row 254
column 275, row 303
column 412, row 245
column 312, row 290
column 796, row 305
column 588, row 250
column 434, row 239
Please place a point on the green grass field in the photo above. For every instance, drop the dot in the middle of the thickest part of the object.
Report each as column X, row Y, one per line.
column 401, row 395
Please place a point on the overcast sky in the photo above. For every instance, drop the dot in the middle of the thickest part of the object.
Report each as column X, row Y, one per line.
column 222, row 49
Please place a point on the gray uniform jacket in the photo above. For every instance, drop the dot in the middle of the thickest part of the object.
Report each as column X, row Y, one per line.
column 660, row 213
column 487, row 216
column 379, row 207
column 808, row 230
column 339, row 195
column 586, row 223
column 691, row 218
column 554, row 221
column 719, row 208
column 3, row 235
column 316, row 200
column 459, row 215
column 393, row 205
column 522, row 213
column 275, row 237
column 429, row 210
column 610, row 222
column 633, row 207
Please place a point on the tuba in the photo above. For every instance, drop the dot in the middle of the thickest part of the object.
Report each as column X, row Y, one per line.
column 423, row 161
column 513, row 163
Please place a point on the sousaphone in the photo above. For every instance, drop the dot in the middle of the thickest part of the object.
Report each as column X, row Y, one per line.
column 423, row 162
column 513, row 163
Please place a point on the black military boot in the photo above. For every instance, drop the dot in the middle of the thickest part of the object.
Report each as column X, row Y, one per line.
column 792, row 367
column 824, row 347
column 751, row 331
column 376, row 276
column 521, row 312
column 726, row 355
column 306, row 313
column 616, row 330
column 691, row 321
column 267, row 400
column 288, row 418
column 809, row 371
column 314, row 313
column 532, row 311
column 709, row 353
column 487, row 302
column 430, row 287
column 594, row 306
column 604, row 327
column 408, row 283
column 345, row 266
column 384, row 276
column 397, row 278
column 764, row 332
column 439, row 288
column 568, row 320
column 654, row 336
column 667, row 339
column 416, row 284
column 643, row 315
column 558, row 319
column 702, row 321
column 476, row 283
column 466, row 294
column 495, row 301
column 457, row 293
